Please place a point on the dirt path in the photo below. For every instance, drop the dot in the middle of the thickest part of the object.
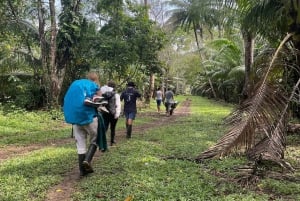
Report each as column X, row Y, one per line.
column 64, row 190
column 13, row 151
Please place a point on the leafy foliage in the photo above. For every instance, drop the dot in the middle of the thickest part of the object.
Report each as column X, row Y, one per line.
column 224, row 68
column 130, row 40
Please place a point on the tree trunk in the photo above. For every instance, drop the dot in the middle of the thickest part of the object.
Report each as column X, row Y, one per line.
column 196, row 35
column 55, row 85
column 201, row 56
column 152, row 76
column 249, row 49
column 151, row 88
column 45, row 83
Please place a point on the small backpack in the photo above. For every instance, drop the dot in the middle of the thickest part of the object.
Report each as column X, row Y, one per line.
column 111, row 99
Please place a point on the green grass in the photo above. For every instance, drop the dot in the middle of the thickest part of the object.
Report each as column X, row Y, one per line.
column 150, row 166
column 154, row 165
column 28, row 177
column 23, row 128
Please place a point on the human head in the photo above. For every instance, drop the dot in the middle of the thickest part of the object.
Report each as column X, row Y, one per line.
column 93, row 76
column 111, row 84
column 130, row 84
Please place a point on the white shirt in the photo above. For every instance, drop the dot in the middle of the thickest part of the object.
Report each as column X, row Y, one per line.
column 106, row 88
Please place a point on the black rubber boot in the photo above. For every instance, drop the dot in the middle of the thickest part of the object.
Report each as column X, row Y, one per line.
column 88, row 158
column 112, row 138
column 82, row 171
column 129, row 130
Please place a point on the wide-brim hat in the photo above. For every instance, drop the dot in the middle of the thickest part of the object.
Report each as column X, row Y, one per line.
column 131, row 84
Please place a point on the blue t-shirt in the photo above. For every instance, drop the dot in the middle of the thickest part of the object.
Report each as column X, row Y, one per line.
column 75, row 111
column 129, row 96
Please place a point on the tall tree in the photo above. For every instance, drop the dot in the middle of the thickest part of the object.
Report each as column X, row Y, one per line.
column 198, row 16
column 129, row 40
column 55, row 85
column 152, row 76
column 45, row 82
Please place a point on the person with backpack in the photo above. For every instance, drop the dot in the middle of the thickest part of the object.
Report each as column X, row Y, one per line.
column 83, row 118
column 113, row 107
column 130, row 96
column 169, row 100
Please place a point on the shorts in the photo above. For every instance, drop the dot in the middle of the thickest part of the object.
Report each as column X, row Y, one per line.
column 130, row 115
column 158, row 102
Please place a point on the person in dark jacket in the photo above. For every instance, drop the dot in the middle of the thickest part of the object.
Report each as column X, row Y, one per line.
column 130, row 96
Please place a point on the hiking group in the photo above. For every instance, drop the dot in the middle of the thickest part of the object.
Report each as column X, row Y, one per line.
column 91, row 109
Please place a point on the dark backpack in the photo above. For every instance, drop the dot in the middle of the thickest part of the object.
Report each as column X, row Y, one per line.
column 111, row 99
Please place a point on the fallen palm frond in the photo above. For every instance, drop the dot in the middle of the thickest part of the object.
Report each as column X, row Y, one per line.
column 258, row 125
column 272, row 148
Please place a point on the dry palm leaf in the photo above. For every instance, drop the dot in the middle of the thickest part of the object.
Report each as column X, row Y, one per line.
column 254, row 117
column 258, row 124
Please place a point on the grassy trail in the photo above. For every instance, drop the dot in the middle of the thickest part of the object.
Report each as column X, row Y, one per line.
column 156, row 164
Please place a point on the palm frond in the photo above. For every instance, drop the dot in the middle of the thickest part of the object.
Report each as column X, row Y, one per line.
column 259, row 117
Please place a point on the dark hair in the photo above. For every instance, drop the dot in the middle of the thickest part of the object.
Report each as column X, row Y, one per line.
column 130, row 84
column 111, row 84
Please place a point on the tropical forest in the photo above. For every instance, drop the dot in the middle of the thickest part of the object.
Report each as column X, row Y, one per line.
column 232, row 66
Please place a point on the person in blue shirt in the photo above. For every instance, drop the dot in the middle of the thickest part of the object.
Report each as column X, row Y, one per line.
column 83, row 118
column 130, row 96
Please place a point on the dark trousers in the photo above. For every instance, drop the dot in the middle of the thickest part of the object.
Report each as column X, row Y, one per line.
column 109, row 120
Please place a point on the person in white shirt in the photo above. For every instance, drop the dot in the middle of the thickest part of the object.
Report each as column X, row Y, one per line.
column 159, row 98
column 114, row 108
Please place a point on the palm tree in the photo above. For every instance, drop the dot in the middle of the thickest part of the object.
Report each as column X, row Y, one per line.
column 197, row 15
column 224, row 67
column 259, row 122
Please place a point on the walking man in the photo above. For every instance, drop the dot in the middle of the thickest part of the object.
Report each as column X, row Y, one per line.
column 83, row 118
column 130, row 96
column 169, row 99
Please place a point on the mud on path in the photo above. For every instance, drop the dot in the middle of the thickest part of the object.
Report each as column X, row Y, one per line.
column 64, row 190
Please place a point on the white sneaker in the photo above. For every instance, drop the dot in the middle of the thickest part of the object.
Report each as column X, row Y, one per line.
column 89, row 102
column 98, row 98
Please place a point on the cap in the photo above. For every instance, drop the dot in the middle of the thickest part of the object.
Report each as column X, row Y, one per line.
column 131, row 84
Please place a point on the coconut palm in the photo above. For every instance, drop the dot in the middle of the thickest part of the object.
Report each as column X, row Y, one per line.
column 259, row 124
column 197, row 15
column 224, row 67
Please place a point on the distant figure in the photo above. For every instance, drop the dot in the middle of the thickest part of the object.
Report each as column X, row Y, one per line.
column 159, row 98
column 169, row 100
column 114, row 108
column 130, row 96
column 83, row 118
